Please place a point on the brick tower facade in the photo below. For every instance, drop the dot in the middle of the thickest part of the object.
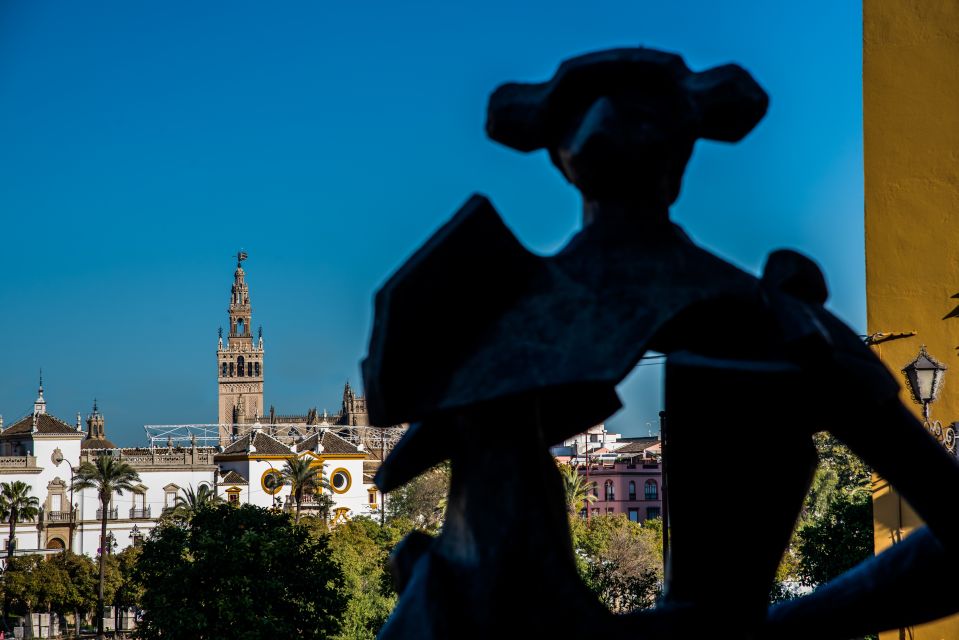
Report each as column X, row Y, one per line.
column 239, row 363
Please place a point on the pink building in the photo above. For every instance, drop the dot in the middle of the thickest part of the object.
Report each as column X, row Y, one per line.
column 626, row 480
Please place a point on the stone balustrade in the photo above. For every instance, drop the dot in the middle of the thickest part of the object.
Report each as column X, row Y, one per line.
column 18, row 462
column 59, row 516
column 145, row 458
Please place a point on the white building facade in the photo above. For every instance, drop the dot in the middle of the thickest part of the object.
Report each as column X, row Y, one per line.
column 44, row 452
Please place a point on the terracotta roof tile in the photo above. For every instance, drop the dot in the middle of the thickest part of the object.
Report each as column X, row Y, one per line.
column 333, row 443
column 46, row 424
column 97, row 443
column 638, row 446
column 265, row 444
column 232, row 477
column 240, row 446
column 309, row 444
column 262, row 443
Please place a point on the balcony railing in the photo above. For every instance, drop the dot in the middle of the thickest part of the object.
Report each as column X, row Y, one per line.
column 59, row 516
column 112, row 514
column 18, row 462
column 139, row 513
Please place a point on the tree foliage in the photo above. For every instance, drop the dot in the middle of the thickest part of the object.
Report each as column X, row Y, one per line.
column 423, row 499
column 579, row 492
column 361, row 548
column 620, row 560
column 17, row 505
column 834, row 529
column 107, row 476
column 239, row 572
column 837, row 540
column 129, row 591
column 80, row 572
column 304, row 476
column 189, row 501
column 33, row 584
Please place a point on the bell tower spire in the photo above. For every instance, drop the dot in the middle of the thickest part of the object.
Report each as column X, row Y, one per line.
column 40, row 405
column 239, row 362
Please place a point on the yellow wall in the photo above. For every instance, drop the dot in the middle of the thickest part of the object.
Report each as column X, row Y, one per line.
column 911, row 145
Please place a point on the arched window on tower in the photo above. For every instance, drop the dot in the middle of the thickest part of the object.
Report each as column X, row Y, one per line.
column 256, row 368
column 240, row 367
column 249, row 369
column 239, row 327
column 224, row 370
column 231, row 369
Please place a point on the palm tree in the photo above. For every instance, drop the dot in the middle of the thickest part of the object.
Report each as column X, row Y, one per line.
column 16, row 504
column 576, row 487
column 107, row 476
column 303, row 475
column 187, row 505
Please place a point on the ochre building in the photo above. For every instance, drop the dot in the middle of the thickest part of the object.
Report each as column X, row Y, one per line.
column 911, row 148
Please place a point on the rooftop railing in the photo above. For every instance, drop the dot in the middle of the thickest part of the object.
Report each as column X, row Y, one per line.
column 18, row 462
column 155, row 457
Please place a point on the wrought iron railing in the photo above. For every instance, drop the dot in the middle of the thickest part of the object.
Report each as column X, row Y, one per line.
column 112, row 514
column 136, row 513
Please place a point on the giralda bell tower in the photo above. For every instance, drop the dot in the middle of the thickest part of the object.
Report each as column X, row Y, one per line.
column 239, row 364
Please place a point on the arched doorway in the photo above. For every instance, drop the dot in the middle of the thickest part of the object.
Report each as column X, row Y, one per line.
column 56, row 543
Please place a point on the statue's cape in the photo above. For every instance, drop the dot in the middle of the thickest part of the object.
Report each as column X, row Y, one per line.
column 473, row 318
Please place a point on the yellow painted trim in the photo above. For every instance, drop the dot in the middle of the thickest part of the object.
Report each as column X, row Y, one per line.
column 278, row 456
column 349, row 481
column 342, row 456
column 234, row 490
column 271, row 492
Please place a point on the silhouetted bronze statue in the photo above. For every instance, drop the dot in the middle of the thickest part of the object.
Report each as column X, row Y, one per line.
column 493, row 354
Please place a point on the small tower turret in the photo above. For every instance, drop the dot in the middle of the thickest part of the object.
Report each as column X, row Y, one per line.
column 96, row 424
column 40, row 405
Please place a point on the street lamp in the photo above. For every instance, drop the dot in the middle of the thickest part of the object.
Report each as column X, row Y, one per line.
column 111, row 544
column 924, row 375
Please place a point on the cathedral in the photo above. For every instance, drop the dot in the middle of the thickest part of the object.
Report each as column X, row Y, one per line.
column 240, row 375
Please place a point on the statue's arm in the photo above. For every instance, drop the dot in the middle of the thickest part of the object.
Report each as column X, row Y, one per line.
column 893, row 589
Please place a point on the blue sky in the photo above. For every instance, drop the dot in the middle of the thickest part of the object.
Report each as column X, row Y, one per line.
column 143, row 143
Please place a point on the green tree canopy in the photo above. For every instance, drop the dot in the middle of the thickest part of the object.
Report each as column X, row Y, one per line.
column 620, row 560
column 361, row 548
column 17, row 505
column 107, row 476
column 33, row 584
column 188, row 502
column 579, row 492
column 423, row 499
column 834, row 529
column 129, row 591
column 239, row 572
column 80, row 594
column 303, row 475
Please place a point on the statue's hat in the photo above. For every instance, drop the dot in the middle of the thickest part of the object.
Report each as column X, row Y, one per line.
column 724, row 103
